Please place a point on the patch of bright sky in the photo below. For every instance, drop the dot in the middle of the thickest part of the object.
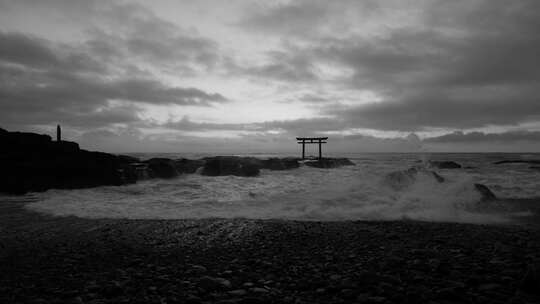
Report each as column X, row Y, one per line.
column 232, row 112
column 368, row 132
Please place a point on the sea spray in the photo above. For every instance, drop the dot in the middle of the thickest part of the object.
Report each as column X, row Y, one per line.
column 361, row 192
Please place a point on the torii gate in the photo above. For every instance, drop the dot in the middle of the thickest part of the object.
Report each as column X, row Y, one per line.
column 311, row 140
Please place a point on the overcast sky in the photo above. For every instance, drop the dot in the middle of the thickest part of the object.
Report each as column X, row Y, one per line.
column 248, row 76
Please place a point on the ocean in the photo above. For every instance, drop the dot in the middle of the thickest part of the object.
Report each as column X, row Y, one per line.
column 358, row 192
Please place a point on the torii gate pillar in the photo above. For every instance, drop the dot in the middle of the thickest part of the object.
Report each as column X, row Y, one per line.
column 58, row 133
column 311, row 140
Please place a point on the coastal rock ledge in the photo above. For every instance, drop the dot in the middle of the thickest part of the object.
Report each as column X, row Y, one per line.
column 34, row 162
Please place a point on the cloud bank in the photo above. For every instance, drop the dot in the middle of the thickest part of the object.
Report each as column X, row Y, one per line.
column 368, row 72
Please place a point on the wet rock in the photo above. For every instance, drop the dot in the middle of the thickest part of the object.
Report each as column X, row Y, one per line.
column 327, row 163
column 193, row 299
column 399, row 180
column 162, row 168
column 213, row 283
column 376, row 299
column 126, row 159
column 517, row 161
column 231, row 165
column 185, row 165
column 112, row 290
column 444, row 164
column 259, row 290
column 238, row 292
column 198, row 269
column 449, row 293
column 487, row 195
column 280, row 163
column 489, row 287
column 141, row 170
column 531, row 280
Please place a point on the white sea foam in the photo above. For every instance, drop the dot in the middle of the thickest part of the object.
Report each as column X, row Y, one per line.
column 349, row 193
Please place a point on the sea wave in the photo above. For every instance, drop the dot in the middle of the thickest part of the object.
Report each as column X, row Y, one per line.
column 359, row 192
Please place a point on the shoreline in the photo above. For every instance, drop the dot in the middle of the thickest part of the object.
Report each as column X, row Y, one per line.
column 75, row 260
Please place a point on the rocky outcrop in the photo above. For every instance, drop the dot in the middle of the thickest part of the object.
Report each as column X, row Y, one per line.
column 517, row 161
column 231, row 165
column 445, row 164
column 484, row 191
column 33, row 162
column 327, row 163
column 280, row 163
column 185, row 165
column 399, row 180
column 162, row 168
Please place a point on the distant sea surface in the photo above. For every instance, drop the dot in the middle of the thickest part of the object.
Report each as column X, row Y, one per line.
column 358, row 192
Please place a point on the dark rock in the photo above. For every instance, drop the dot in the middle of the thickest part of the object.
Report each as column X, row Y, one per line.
column 531, row 280
column 212, row 283
column 329, row 163
column 185, row 165
column 445, row 164
column 231, row 165
column 126, row 159
column 112, row 290
column 537, row 168
column 280, row 163
column 517, row 161
column 402, row 179
column 238, row 292
column 198, row 269
column 249, row 169
column 64, row 147
column 485, row 192
column 141, row 170
column 449, row 293
column 22, row 140
column 33, row 162
column 162, row 168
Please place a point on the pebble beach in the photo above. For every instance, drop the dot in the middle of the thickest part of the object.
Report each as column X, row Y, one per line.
column 48, row 259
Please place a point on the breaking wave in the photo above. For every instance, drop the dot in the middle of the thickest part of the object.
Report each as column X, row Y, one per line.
column 361, row 192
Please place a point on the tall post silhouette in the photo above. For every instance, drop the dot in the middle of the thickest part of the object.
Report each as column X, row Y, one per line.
column 58, row 133
column 311, row 140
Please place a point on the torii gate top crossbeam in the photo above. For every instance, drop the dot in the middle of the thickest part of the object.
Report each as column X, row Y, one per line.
column 311, row 140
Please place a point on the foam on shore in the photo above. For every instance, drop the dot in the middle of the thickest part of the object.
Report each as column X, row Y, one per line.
column 349, row 193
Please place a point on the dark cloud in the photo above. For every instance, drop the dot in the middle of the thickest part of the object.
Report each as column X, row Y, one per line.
column 280, row 66
column 442, row 110
column 292, row 18
column 316, row 99
column 185, row 124
column 469, row 64
column 36, row 53
column 307, row 19
column 475, row 137
column 436, row 64
column 41, row 85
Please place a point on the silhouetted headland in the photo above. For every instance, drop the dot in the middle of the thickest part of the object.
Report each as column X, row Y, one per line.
column 34, row 162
